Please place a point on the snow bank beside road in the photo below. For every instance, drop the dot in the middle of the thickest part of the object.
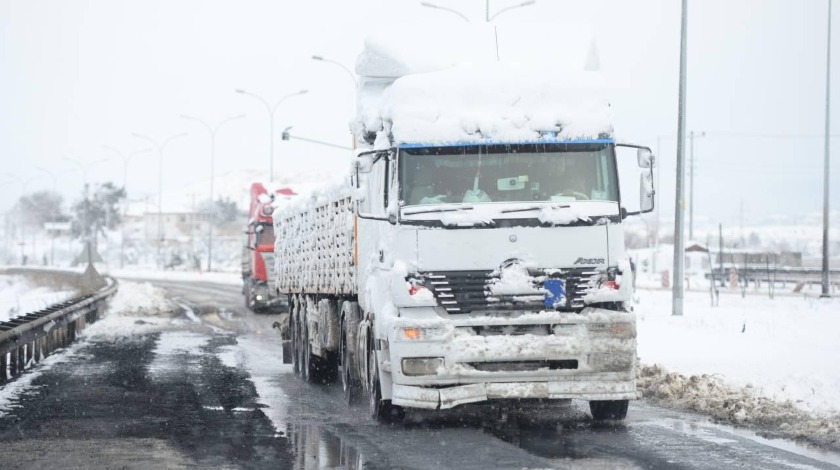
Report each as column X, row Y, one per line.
column 137, row 308
column 19, row 296
column 751, row 360
column 785, row 348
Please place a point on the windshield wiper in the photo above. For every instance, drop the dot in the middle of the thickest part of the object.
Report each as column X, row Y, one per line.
column 440, row 209
column 533, row 208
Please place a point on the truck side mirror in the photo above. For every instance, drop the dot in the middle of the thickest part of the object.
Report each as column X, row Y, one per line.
column 645, row 157
column 645, row 161
column 646, row 191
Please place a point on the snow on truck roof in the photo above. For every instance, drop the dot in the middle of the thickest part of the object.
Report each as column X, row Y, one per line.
column 451, row 86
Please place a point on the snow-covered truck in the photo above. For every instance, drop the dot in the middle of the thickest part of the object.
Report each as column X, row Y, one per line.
column 475, row 252
column 258, row 251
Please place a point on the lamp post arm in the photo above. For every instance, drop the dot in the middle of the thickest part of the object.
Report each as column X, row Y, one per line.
column 277, row 104
column 149, row 140
column 256, row 97
column 523, row 4
column 227, row 120
column 450, row 10
column 170, row 139
column 200, row 121
column 343, row 67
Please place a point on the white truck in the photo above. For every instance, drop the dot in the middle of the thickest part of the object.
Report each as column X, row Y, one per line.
column 475, row 252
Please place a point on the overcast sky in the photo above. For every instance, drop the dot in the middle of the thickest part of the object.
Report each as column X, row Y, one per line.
column 78, row 75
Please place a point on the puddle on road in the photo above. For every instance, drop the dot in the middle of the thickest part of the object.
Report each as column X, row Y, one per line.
column 314, row 447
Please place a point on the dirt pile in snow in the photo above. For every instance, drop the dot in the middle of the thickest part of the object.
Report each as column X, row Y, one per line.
column 741, row 406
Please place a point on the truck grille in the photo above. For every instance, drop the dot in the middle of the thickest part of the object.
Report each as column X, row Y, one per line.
column 467, row 291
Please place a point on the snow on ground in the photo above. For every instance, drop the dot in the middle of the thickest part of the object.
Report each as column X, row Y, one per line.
column 19, row 296
column 753, row 360
column 137, row 308
column 229, row 278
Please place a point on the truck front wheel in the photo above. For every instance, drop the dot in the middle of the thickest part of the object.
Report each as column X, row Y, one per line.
column 380, row 410
column 608, row 409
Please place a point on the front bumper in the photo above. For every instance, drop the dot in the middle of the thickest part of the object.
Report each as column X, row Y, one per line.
column 548, row 355
column 449, row 397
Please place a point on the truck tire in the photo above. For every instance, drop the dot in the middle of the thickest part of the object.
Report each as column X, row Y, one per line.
column 316, row 370
column 348, row 354
column 380, row 410
column 349, row 380
column 246, row 289
column 608, row 409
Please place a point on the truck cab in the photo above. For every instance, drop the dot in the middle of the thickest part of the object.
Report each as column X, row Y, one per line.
column 505, row 275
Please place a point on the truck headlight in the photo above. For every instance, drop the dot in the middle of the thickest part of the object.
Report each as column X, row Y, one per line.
column 414, row 366
column 259, row 297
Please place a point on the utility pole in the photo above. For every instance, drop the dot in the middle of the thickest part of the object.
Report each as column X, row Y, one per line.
column 691, row 169
column 720, row 255
column 679, row 236
column 826, row 179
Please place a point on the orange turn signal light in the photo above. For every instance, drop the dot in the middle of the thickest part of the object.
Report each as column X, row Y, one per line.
column 412, row 333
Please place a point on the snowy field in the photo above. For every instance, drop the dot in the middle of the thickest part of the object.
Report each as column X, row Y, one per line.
column 751, row 360
column 19, row 296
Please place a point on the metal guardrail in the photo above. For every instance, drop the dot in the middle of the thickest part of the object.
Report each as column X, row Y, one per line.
column 752, row 273
column 27, row 339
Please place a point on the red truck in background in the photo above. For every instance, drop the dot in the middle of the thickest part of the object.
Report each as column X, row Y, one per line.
column 258, row 252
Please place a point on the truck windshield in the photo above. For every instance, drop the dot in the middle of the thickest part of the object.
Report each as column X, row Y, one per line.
column 508, row 173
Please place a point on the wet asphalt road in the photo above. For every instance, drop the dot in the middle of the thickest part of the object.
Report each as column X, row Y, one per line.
column 207, row 389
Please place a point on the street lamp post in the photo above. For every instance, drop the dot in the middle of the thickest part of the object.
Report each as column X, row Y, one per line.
column 271, row 110
column 125, row 160
column 679, row 229
column 691, row 170
column 212, row 130
column 160, row 146
column 487, row 16
column 826, row 179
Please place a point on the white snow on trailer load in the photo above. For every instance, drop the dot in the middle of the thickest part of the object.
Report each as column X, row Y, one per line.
column 464, row 85
column 314, row 243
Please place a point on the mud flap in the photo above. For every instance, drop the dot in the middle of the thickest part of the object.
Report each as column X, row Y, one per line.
column 287, row 352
